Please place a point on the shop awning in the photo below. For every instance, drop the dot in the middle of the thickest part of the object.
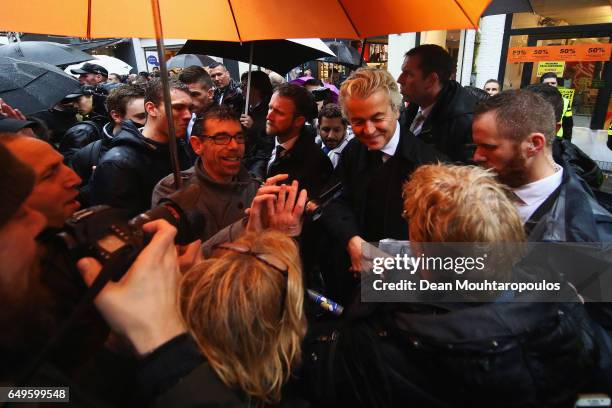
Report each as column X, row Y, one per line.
column 508, row 7
column 92, row 45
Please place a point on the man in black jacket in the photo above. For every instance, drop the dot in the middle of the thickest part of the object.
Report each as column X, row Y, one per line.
column 440, row 111
column 125, row 102
column 295, row 151
column 227, row 91
column 374, row 165
column 128, row 172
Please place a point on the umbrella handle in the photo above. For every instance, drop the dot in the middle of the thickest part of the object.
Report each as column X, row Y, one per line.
column 161, row 51
column 248, row 92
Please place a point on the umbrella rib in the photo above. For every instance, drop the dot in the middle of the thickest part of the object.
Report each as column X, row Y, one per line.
column 229, row 2
column 349, row 18
column 465, row 14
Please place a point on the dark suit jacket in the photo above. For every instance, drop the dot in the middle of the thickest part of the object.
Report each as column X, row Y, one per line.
column 306, row 163
column 371, row 203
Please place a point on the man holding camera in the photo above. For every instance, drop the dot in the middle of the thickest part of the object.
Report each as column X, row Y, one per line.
column 141, row 307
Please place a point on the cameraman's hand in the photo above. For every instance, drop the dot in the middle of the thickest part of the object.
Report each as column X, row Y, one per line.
column 143, row 306
column 246, row 121
column 354, row 249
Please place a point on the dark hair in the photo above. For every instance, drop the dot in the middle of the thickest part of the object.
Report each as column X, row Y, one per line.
column 193, row 74
column 331, row 110
column 154, row 91
column 494, row 80
column 218, row 112
column 216, row 64
column 549, row 75
column 552, row 96
column 433, row 58
column 301, row 98
column 260, row 81
column 119, row 97
column 478, row 93
column 314, row 82
column 518, row 113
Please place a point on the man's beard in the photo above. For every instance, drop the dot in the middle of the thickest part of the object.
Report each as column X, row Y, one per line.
column 514, row 173
column 27, row 319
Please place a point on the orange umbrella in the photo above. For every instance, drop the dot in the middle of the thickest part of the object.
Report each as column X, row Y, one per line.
column 234, row 20
column 238, row 20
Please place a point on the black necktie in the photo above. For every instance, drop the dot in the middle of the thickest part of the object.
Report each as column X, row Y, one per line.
column 280, row 153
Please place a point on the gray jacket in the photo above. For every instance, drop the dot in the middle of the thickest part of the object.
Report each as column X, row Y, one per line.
column 221, row 204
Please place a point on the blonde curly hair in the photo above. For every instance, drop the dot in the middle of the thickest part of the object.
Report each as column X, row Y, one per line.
column 231, row 304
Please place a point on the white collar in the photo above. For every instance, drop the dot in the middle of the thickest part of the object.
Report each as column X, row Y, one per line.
column 288, row 145
column 539, row 190
column 425, row 112
column 391, row 146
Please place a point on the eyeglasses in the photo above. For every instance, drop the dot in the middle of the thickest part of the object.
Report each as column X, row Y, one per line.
column 268, row 259
column 225, row 138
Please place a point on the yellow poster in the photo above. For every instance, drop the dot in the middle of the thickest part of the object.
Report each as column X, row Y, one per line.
column 551, row 66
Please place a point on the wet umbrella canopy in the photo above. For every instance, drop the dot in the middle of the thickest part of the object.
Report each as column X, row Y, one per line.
column 43, row 51
column 345, row 54
column 32, row 87
column 187, row 60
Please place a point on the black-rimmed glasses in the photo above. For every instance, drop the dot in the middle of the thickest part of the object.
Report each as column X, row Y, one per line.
column 225, row 138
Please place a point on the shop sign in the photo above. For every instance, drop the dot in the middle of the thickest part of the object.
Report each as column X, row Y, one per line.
column 581, row 52
column 551, row 66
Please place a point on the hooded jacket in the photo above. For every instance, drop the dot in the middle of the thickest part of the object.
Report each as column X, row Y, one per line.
column 128, row 172
column 449, row 125
column 221, row 204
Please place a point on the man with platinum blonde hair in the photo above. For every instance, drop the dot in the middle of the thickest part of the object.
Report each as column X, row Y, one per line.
column 374, row 165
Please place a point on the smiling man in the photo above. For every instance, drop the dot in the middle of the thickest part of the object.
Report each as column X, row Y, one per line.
column 128, row 172
column 374, row 165
column 226, row 188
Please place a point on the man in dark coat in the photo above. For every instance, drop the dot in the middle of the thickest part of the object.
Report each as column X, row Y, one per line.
column 295, row 151
column 440, row 110
column 374, row 165
column 227, row 91
column 125, row 103
column 128, row 172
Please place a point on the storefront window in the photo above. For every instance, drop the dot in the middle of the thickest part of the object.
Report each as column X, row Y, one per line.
column 579, row 80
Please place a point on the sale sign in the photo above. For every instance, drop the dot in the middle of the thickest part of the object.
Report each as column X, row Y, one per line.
column 580, row 52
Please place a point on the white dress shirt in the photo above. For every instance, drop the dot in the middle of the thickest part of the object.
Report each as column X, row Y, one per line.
column 534, row 194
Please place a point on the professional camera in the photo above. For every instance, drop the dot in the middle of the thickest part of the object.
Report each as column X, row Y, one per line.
column 107, row 233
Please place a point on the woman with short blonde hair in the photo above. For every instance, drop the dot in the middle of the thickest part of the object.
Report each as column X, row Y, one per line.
column 244, row 307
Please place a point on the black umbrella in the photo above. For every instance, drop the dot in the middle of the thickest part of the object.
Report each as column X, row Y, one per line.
column 32, row 87
column 52, row 53
column 277, row 55
column 187, row 60
column 345, row 54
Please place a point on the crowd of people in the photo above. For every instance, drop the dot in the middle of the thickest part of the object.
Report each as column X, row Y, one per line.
column 226, row 319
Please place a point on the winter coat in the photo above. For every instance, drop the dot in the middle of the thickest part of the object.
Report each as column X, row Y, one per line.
column 231, row 96
column 449, row 125
column 221, row 204
column 128, row 172
column 516, row 354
